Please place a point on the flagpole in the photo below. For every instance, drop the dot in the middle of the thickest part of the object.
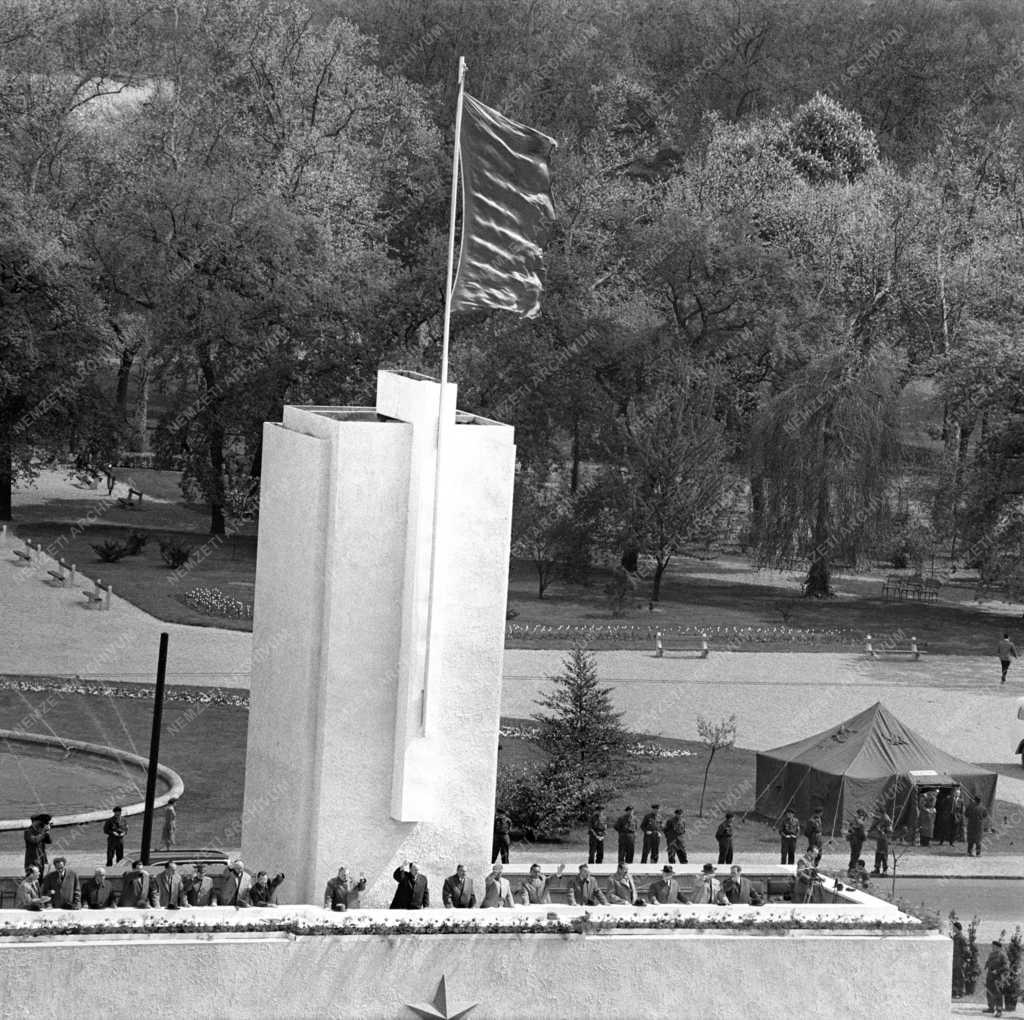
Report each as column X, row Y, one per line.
column 432, row 593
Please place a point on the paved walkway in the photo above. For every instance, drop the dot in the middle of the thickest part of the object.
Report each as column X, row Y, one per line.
column 954, row 701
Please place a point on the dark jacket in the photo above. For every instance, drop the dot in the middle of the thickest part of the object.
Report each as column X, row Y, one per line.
column 35, row 848
column 976, row 815
column 263, row 894
column 138, row 890
column 741, row 891
column 98, row 895
column 789, row 826
column 65, row 893
column 412, row 893
column 724, row 831
column 341, row 895
column 115, row 829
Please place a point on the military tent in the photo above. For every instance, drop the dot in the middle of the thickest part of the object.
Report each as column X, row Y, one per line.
column 871, row 761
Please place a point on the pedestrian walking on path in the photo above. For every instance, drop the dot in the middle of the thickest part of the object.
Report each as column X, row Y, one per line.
column 1006, row 649
column 169, row 836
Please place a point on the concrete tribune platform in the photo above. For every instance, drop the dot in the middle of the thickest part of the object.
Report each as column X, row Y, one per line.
column 597, row 963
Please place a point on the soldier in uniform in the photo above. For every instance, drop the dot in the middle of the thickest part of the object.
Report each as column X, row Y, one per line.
column 856, row 834
column 37, row 835
column 959, row 959
column 813, row 832
column 115, row 828
column 976, row 815
column 675, row 837
column 596, row 832
column 502, row 837
column 927, row 817
column 882, row 831
column 789, row 829
column 996, row 970
column 651, row 827
column 724, row 836
column 626, row 828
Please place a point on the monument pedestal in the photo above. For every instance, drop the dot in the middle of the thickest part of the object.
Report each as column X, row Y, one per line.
column 373, row 719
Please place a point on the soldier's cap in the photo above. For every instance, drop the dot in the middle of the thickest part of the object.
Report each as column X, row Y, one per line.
column 958, row 926
column 708, row 869
column 996, row 942
column 655, row 807
column 728, row 814
column 679, row 810
column 41, row 818
column 629, row 807
column 667, row 870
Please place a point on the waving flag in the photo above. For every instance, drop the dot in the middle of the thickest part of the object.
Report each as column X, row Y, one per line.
column 506, row 212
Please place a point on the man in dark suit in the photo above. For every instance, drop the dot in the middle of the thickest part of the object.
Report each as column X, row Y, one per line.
column 170, row 890
column 61, row 885
column 37, row 835
column 412, row 892
column 666, row 888
column 458, row 890
column 738, row 889
column 137, row 888
column 116, row 828
column 584, row 890
column 264, row 890
column 97, row 892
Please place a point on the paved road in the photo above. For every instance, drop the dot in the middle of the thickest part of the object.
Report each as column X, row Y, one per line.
column 998, row 903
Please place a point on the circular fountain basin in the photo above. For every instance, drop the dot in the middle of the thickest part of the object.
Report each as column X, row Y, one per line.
column 73, row 780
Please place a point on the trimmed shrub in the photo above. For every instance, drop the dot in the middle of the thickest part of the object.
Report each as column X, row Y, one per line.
column 175, row 552
column 111, row 552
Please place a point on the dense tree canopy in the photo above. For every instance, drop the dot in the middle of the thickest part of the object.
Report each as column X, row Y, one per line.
column 768, row 213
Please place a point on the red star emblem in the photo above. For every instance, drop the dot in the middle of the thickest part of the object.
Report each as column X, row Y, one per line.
column 438, row 1009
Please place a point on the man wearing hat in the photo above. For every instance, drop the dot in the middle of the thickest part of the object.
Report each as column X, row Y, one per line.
column 997, row 968
column 61, row 885
column 626, row 828
column 666, row 888
column 724, row 836
column 708, row 888
column 37, row 835
column 115, row 829
column 651, row 827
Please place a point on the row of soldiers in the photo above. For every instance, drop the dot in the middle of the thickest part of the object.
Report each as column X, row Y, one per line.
column 652, row 826
column 61, row 889
column 966, row 824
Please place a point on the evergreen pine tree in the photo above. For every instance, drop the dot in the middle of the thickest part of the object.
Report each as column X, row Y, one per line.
column 583, row 734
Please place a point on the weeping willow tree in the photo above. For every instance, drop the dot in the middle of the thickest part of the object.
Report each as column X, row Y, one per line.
column 826, row 450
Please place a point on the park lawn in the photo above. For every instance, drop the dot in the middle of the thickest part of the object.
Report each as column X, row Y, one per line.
column 147, row 582
column 205, row 744
column 730, row 602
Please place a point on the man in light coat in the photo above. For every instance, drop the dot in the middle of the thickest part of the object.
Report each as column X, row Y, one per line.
column 170, row 889
column 29, row 896
column 497, row 890
column 622, row 888
column 235, row 886
column 537, row 888
column 708, row 888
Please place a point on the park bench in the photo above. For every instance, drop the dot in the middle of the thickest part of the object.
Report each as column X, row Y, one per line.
column 25, row 557
column 99, row 598
column 63, row 575
column 683, row 643
column 127, row 503
column 886, row 649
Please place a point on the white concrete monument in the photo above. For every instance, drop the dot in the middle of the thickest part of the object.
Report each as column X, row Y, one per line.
column 373, row 719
